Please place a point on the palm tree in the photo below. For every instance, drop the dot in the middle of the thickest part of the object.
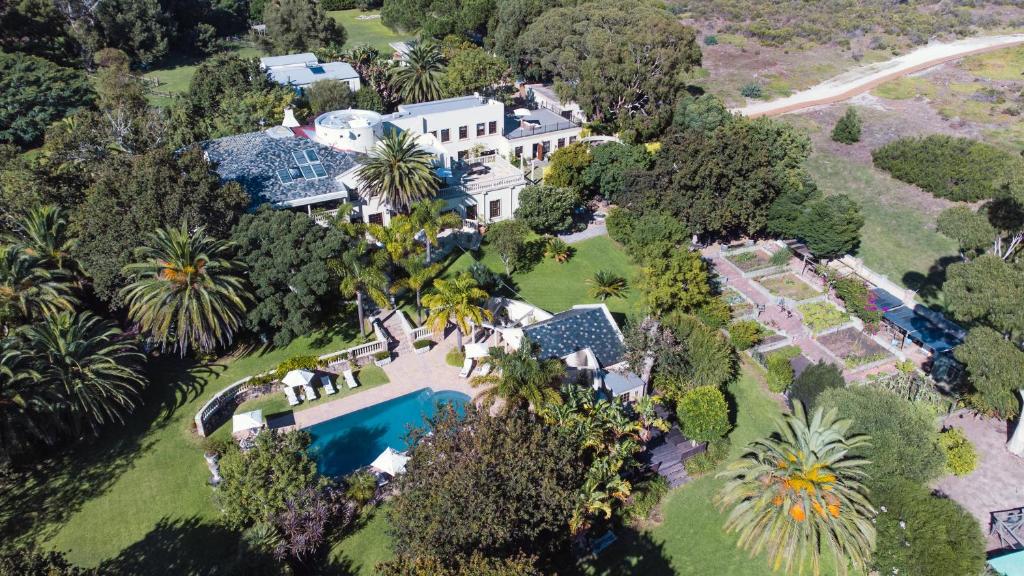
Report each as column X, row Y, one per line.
column 359, row 277
column 29, row 290
column 419, row 78
column 398, row 238
column 558, row 250
column 187, row 289
column 428, row 215
column 26, row 404
column 89, row 363
column 801, row 491
column 521, row 379
column 606, row 284
column 418, row 277
column 456, row 301
column 645, row 411
column 398, row 171
column 42, row 233
column 360, row 487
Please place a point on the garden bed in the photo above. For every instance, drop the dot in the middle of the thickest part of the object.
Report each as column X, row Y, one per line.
column 854, row 348
column 789, row 286
column 751, row 261
column 821, row 316
column 739, row 305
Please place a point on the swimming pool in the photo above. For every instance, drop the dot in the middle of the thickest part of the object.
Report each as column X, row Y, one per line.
column 347, row 443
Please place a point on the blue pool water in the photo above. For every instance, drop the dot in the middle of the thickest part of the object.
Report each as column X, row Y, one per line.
column 344, row 444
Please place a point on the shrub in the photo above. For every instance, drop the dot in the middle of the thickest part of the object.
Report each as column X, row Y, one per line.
column 305, row 362
column 953, row 168
column 423, row 343
column 216, row 445
column 847, row 129
column 558, row 250
column 645, row 498
column 961, row 458
column 485, row 278
column 751, row 90
column 745, row 334
column 703, row 414
column 709, row 459
column 715, row 313
column 382, row 355
column 781, row 257
column 814, row 380
column 710, row 40
column 547, row 209
column 455, row 357
column 645, row 234
column 858, row 300
column 780, row 372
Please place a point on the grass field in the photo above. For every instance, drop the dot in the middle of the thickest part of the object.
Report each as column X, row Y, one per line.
column 176, row 74
column 370, row 31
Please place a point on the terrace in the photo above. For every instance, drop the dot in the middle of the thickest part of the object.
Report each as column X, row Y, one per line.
column 480, row 175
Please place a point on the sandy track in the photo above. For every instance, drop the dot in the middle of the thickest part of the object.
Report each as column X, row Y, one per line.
column 854, row 82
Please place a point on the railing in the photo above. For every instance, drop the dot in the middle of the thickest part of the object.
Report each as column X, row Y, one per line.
column 481, row 186
column 411, row 333
column 527, row 131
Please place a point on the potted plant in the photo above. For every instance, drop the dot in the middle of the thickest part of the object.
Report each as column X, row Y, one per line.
column 382, row 358
column 422, row 346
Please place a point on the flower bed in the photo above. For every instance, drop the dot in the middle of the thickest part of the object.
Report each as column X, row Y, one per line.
column 788, row 285
column 820, row 316
column 751, row 261
column 854, row 347
column 738, row 304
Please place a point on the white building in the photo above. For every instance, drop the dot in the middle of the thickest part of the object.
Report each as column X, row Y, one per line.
column 301, row 70
column 545, row 97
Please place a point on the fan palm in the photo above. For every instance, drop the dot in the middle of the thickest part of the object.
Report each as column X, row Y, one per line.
column 29, row 290
column 456, row 301
column 398, row 171
column 419, row 78
column 428, row 215
column 26, row 403
column 361, row 487
column 90, row 365
column 521, row 379
column 606, row 285
column 558, row 250
column 398, row 238
column 418, row 276
column 42, row 233
column 358, row 277
column 801, row 491
column 187, row 289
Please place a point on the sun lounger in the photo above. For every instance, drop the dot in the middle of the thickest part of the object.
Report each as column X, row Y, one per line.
column 310, row 392
column 289, row 392
column 350, row 380
column 606, row 540
column 467, row 367
column 484, row 369
column 329, row 388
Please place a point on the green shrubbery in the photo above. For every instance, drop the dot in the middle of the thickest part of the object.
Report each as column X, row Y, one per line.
column 847, row 129
column 708, row 460
column 703, row 414
column 961, row 457
column 858, row 300
column 645, row 498
column 745, row 334
column 780, row 373
column 953, row 168
column 647, row 234
column 820, row 316
column 751, row 90
column 309, row 362
column 814, row 380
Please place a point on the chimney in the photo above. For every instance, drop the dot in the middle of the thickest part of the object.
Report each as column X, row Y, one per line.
column 289, row 119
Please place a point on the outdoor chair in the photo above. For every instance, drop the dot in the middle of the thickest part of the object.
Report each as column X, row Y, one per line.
column 467, row 367
column 310, row 392
column 350, row 379
column 289, row 392
column 329, row 388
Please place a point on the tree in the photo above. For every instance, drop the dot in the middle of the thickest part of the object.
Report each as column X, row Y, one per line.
column 477, row 565
column 328, row 95
column 520, row 378
column 418, row 277
column 615, row 59
column 31, row 561
column 831, row 227
column 93, row 367
column 547, row 209
column 972, row 230
column 221, row 78
column 300, row 26
column 456, row 301
column 486, row 499
column 135, row 195
column 814, row 380
column 678, row 282
column 687, row 353
column 290, row 277
column 567, row 167
column 704, row 414
column 472, row 69
column 648, row 235
column 304, row 524
column 438, row 18
column 137, row 27
column 259, row 482
column 987, row 291
column 398, row 171
column 508, row 238
column 801, row 491
column 187, row 290
column 27, row 406
column 605, row 284
column 421, row 77
column 35, row 93
column 28, row 289
column 430, row 216
column 42, row 234
column 606, row 174
column 703, row 114
column 994, row 366
column 359, row 276
column 361, row 487
column 847, row 129
column 37, row 28
column 904, row 440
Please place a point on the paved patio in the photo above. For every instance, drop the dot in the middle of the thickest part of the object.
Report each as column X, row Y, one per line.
column 998, row 481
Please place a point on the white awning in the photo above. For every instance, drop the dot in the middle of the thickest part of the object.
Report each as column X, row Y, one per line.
column 476, row 350
column 391, row 462
column 246, row 421
column 297, row 378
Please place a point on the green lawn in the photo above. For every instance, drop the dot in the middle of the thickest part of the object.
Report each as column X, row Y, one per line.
column 371, row 32
column 175, row 75
column 362, row 550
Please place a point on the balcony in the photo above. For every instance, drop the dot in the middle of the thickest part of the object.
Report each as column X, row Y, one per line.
column 481, row 175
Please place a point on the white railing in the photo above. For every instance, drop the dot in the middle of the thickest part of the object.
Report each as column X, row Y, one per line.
column 479, row 187
column 413, row 333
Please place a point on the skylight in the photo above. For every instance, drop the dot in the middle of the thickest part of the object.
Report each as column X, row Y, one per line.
column 308, row 167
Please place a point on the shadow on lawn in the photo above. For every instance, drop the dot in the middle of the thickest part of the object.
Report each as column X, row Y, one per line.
column 929, row 286
column 182, row 546
column 633, row 553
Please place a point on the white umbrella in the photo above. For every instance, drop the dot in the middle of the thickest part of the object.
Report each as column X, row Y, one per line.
column 297, row 378
column 476, row 350
column 391, row 461
column 246, row 421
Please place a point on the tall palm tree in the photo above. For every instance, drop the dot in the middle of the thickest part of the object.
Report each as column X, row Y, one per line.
column 602, row 487
column 398, row 238
column 606, row 285
column 26, row 404
column 187, row 289
column 521, row 379
column 29, row 290
column 419, row 78
column 800, row 491
column 42, row 233
column 358, row 276
column 428, row 216
column 90, row 364
column 456, row 301
column 399, row 171
column 418, row 276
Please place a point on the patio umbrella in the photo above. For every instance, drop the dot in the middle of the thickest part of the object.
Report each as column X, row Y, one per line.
column 390, row 461
column 297, row 378
column 246, row 421
column 476, row 350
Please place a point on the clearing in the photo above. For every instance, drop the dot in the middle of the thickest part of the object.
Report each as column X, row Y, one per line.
column 366, row 28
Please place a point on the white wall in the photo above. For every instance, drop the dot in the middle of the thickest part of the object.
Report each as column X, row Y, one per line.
column 551, row 138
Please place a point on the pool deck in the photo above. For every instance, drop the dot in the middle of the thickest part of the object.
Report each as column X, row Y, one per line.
column 408, row 373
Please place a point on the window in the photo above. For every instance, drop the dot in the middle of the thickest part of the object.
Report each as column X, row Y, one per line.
column 376, row 218
column 567, row 114
column 446, row 135
column 495, row 209
column 519, row 152
column 547, row 147
column 572, row 139
column 471, row 212
column 492, row 127
column 463, row 154
column 480, row 129
column 561, row 142
column 463, row 132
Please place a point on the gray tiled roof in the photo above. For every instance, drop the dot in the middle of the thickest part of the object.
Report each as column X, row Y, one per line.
column 253, row 160
column 575, row 330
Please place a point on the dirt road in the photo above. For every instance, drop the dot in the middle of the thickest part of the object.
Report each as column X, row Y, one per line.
column 862, row 79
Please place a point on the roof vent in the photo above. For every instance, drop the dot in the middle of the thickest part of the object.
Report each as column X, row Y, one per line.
column 289, row 119
column 279, row 132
